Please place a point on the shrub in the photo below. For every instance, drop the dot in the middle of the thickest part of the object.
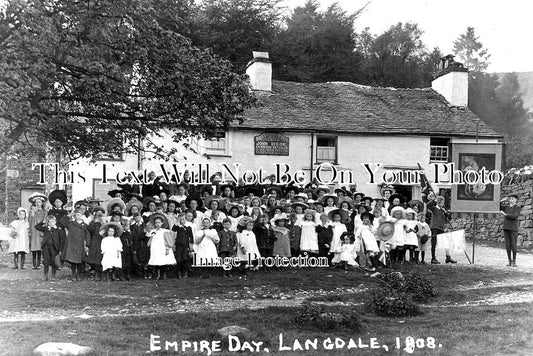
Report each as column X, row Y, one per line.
column 415, row 284
column 315, row 316
column 390, row 302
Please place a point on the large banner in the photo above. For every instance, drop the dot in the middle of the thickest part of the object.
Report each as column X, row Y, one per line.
column 479, row 163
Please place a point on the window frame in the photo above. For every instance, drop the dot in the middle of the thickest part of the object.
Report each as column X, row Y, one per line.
column 336, row 146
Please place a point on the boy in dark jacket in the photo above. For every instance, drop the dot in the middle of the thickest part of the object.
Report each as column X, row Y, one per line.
column 52, row 244
column 227, row 247
column 439, row 218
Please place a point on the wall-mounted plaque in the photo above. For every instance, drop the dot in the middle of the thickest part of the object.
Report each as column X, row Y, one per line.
column 271, row 144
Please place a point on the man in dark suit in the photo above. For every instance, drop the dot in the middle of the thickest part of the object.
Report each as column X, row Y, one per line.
column 510, row 212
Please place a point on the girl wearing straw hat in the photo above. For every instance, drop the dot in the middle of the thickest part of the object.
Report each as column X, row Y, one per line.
column 161, row 246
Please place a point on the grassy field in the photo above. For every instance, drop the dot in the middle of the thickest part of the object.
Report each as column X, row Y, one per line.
column 478, row 311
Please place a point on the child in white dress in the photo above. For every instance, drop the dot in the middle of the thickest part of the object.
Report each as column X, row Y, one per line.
column 336, row 242
column 366, row 233
column 309, row 237
column 424, row 237
column 348, row 252
column 247, row 250
column 397, row 241
column 160, row 244
column 111, row 248
column 20, row 242
column 205, row 247
column 411, row 228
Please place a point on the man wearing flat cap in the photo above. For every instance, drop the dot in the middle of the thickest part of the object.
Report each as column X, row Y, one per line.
column 510, row 212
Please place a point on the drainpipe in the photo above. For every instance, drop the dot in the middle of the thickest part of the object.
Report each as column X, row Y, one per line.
column 312, row 155
column 6, row 202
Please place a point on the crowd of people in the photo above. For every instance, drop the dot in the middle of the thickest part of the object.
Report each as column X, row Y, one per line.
column 155, row 230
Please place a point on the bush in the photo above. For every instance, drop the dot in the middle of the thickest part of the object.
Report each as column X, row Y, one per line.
column 419, row 287
column 315, row 316
column 390, row 302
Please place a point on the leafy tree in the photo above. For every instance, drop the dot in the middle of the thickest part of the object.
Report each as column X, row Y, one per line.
column 84, row 76
column 470, row 51
column 513, row 116
column 235, row 28
column 397, row 57
column 316, row 46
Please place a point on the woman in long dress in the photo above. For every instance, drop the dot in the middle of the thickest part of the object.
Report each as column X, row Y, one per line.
column 20, row 243
column 38, row 215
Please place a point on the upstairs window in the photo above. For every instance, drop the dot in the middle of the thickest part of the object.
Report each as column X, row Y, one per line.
column 439, row 150
column 326, row 149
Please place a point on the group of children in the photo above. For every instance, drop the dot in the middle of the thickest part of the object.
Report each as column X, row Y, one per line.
column 151, row 236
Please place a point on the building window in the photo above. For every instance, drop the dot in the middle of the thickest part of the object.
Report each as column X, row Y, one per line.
column 439, row 150
column 326, row 149
column 217, row 145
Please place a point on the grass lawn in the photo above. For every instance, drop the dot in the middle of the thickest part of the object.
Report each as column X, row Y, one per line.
column 125, row 314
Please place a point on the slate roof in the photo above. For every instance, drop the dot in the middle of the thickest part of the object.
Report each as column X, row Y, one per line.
column 343, row 107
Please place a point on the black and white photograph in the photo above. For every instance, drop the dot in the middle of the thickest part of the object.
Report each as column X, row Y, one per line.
column 266, row 177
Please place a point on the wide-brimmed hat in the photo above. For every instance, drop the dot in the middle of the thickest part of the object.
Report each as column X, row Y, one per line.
column 302, row 195
column 227, row 185
column 245, row 220
column 513, row 195
column 303, row 205
column 385, row 231
column 344, row 191
column 362, row 195
column 380, row 198
column 325, row 198
column 136, row 195
column 348, row 200
column 81, row 202
column 98, row 208
column 418, row 203
column 231, row 206
column 158, row 215
column 369, row 215
column 399, row 196
column 113, row 192
column 118, row 228
column 398, row 208
column 37, row 195
column 218, row 198
column 113, row 202
column 366, row 197
column 277, row 189
column 58, row 194
column 343, row 214
column 163, row 190
column 410, row 211
column 131, row 205
column 279, row 217
column 173, row 201
column 385, row 188
column 357, row 206
column 148, row 200
column 194, row 197
column 294, row 188
column 324, row 188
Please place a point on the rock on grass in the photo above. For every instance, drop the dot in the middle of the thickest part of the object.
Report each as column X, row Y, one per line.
column 61, row 349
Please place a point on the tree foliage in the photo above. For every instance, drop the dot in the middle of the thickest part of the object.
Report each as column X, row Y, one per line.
column 235, row 28
column 84, row 76
column 316, row 46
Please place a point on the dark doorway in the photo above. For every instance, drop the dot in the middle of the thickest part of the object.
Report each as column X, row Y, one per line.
column 405, row 190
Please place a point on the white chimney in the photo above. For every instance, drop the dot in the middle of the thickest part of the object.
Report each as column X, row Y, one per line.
column 259, row 69
column 451, row 81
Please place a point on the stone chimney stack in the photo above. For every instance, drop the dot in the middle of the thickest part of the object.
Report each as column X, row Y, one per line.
column 259, row 69
column 451, row 81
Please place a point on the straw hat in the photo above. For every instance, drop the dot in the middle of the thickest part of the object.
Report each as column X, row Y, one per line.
column 385, row 231
column 162, row 217
column 113, row 202
column 343, row 214
column 398, row 208
column 37, row 195
column 118, row 228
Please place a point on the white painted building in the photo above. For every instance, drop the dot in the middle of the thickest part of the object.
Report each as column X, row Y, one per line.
column 342, row 123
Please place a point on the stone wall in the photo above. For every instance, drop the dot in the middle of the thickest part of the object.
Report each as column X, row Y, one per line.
column 489, row 226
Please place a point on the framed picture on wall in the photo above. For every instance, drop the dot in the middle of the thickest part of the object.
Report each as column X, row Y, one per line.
column 474, row 160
